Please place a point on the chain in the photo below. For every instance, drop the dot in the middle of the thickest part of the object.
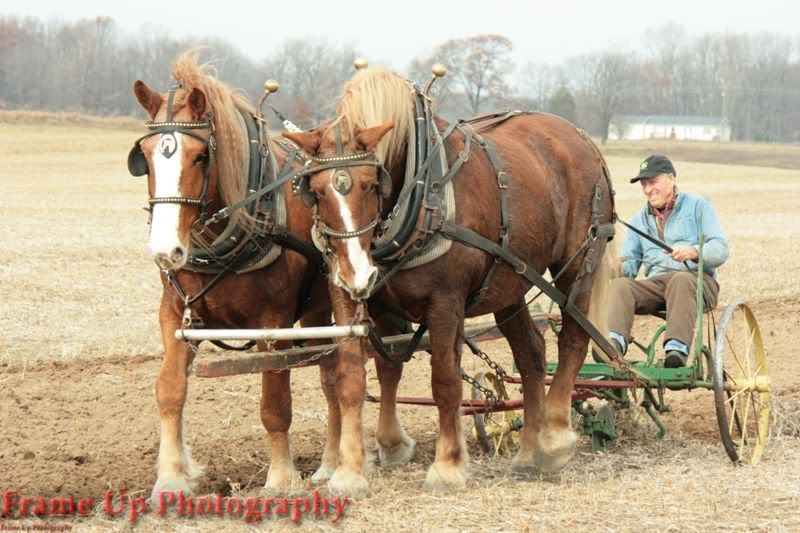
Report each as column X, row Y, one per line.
column 490, row 398
column 361, row 315
column 500, row 374
column 312, row 359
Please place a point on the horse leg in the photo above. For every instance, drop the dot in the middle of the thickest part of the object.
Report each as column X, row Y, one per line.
column 351, row 388
column 177, row 471
column 528, row 347
column 327, row 378
column 556, row 442
column 446, row 322
column 276, row 416
column 395, row 447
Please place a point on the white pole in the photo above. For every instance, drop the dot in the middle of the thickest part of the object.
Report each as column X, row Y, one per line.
column 328, row 332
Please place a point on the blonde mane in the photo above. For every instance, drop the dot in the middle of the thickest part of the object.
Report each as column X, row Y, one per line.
column 223, row 102
column 373, row 97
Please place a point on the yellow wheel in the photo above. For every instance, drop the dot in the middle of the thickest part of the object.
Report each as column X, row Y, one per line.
column 741, row 385
column 494, row 431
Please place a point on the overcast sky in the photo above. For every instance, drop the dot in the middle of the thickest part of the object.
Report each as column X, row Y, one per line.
column 397, row 31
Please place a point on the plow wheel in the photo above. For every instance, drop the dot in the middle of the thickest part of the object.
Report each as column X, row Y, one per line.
column 741, row 385
column 494, row 431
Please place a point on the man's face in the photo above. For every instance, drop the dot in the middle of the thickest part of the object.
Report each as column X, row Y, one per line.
column 658, row 190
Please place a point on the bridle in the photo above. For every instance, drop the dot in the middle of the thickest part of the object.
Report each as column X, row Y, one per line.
column 137, row 163
column 342, row 182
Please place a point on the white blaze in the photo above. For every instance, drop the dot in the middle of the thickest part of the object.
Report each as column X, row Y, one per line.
column 166, row 217
column 358, row 257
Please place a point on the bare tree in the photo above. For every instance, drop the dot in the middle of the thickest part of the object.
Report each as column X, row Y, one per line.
column 478, row 68
column 311, row 73
column 540, row 82
column 603, row 80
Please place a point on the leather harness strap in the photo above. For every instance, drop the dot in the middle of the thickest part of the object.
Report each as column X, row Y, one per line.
column 474, row 239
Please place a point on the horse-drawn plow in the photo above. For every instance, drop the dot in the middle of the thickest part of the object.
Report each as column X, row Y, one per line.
column 730, row 361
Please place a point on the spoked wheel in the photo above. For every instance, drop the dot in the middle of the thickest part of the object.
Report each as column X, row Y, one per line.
column 741, row 385
column 493, row 431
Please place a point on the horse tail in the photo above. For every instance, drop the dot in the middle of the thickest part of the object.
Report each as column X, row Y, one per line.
column 608, row 269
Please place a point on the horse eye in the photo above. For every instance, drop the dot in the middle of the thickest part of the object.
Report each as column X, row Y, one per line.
column 200, row 158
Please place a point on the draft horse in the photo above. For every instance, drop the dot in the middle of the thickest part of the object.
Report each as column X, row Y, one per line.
column 242, row 270
column 532, row 193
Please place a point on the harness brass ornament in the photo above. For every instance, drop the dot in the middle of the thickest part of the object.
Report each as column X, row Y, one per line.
column 168, row 145
column 342, row 182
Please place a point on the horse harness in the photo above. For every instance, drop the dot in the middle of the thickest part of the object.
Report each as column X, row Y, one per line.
column 342, row 182
column 243, row 248
column 137, row 162
column 432, row 221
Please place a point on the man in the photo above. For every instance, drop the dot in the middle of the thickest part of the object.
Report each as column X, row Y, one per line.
column 673, row 219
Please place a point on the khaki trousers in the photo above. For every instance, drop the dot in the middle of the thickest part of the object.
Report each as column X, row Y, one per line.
column 676, row 292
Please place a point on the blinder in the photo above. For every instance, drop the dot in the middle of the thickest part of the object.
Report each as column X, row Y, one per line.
column 306, row 194
column 137, row 162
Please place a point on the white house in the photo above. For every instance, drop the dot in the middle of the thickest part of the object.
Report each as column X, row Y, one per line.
column 679, row 127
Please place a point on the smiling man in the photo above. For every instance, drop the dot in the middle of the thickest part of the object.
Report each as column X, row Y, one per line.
column 673, row 219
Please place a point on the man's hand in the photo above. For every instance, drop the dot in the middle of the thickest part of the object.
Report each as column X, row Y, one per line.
column 685, row 253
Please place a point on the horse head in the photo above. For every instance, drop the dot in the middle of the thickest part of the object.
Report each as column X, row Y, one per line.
column 178, row 158
column 346, row 185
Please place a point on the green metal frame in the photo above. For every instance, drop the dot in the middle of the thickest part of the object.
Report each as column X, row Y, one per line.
column 652, row 377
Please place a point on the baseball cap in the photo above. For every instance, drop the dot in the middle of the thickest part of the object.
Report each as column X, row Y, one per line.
column 654, row 166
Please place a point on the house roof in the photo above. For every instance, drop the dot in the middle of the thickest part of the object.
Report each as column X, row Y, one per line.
column 671, row 120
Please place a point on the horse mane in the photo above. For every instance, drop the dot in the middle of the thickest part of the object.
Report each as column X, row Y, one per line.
column 373, row 97
column 224, row 103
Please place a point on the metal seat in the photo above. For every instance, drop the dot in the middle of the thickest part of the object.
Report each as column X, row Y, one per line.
column 662, row 313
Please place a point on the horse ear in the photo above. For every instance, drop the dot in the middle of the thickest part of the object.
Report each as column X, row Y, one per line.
column 149, row 99
column 370, row 137
column 309, row 141
column 197, row 103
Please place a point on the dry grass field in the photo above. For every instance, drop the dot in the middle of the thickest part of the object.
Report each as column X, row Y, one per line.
column 79, row 352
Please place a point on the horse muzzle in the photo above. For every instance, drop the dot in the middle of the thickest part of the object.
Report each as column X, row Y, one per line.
column 173, row 259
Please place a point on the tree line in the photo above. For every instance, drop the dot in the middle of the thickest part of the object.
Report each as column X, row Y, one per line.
column 751, row 80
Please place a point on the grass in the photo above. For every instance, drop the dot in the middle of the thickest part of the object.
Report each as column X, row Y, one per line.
column 733, row 153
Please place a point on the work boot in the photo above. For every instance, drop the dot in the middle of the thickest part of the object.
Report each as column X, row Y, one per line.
column 675, row 359
column 598, row 358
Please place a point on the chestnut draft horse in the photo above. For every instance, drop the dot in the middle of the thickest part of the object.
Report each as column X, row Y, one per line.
column 196, row 154
column 532, row 186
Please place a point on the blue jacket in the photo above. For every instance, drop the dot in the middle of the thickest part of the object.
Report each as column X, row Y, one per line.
column 681, row 230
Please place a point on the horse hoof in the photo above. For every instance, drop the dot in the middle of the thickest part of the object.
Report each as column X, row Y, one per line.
column 554, row 449
column 171, row 486
column 443, row 477
column 348, row 483
column 324, row 472
column 523, row 463
column 282, row 479
column 398, row 455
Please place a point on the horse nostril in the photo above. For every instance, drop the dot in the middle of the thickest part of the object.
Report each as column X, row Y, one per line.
column 373, row 277
column 178, row 253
